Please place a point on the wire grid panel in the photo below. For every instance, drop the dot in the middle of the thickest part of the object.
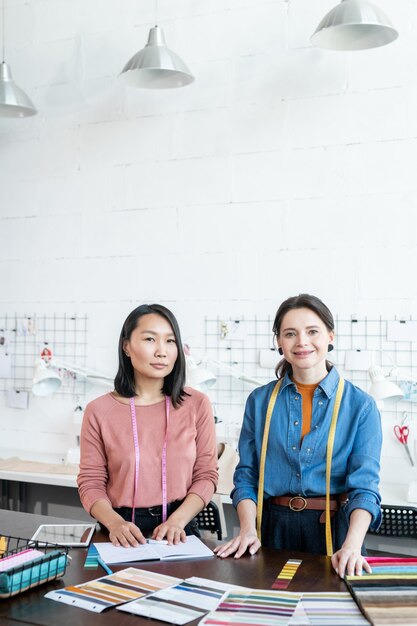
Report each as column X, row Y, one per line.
column 25, row 337
column 238, row 342
column 373, row 338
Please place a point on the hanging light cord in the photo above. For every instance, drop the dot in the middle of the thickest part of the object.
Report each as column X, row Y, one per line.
column 156, row 12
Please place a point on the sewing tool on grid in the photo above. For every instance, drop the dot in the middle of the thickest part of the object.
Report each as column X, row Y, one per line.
column 286, row 574
column 402, row 432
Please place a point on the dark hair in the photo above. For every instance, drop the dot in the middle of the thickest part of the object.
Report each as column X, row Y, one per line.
column 173, row 385
column 302, row 301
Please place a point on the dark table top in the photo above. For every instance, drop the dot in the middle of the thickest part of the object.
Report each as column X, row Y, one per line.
column 258, row 571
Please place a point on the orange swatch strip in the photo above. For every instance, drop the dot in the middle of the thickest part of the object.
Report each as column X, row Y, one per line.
column 286, row 574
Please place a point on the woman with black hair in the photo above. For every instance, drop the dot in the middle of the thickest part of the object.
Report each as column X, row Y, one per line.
column 308, row 439
column 148, row 449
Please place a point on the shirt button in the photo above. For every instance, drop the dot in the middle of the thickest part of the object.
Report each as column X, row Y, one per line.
column 298, row 475
column 294, row 447
column 296, row 423
column 320, row 402
column 296, row 398
column 308, row 449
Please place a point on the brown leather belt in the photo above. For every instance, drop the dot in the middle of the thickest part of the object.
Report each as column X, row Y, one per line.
column 299, row 503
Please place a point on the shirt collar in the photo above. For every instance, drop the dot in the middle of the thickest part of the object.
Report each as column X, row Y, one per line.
column 328, row 385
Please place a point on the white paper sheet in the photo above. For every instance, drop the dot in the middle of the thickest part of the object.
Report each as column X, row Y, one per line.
column 5, row 366
column 17, row 399
column 359, row 360
column 402, row 331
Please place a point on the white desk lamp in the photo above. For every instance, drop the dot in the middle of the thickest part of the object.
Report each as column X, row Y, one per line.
column 47, row 380
column 198, row 376
column 382, row 388
column 235, row 373
column 202, row 378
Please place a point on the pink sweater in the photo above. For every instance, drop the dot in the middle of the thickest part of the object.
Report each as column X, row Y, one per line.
column 107, row 468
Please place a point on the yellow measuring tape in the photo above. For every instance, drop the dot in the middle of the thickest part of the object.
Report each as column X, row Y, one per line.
column 260, row 503
column 330, row 443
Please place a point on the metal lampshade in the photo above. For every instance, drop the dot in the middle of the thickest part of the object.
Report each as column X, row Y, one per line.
column 198, row 376
column 156, row 66
column 13, row 100
column 381, row 388
column 354, row 25
column 45, row 380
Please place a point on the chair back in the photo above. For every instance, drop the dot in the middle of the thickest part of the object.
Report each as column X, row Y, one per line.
column 209, row 519
column 397, row 521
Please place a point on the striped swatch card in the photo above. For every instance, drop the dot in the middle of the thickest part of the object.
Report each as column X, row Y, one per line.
column 254, row 608
column 286, row 574
column 91, row 560
column 108, row 591
column 327, row 609
column 181, row 603
column 389, row 594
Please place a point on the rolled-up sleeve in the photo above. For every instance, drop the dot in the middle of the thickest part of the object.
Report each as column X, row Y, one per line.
column 362, row 480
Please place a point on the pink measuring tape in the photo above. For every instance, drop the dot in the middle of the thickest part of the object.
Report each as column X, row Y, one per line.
column 137, row 457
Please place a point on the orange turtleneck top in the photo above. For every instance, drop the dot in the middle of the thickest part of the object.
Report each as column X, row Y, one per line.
column 306, row 393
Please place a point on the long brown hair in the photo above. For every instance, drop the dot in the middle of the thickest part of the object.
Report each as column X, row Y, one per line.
column 302, row 301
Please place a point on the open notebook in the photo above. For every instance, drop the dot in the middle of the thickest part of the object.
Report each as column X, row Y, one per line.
column 193, row 548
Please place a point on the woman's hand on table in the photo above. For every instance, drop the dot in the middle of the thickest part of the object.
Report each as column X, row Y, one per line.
column 350, row 562
column 173, row 533
column 126, row 534
column 245, row 541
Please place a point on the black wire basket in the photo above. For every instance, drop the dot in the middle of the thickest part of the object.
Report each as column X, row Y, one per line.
column 25, row 564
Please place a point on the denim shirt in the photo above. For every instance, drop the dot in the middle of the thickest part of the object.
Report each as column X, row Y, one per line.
column 292, row 468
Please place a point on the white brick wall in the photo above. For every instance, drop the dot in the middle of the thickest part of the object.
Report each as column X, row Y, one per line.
column 283, row 168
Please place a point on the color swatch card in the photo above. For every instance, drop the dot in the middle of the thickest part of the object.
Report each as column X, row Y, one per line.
column 389, row 594
column 3, row 544
column 286, row 574
column 156, row 608
column 181, row 603
column 108, row 591
column 215, row 583
column 91, row 560
column 327, row 609
column 254, row 608
column 388, row 565
column 193, row 548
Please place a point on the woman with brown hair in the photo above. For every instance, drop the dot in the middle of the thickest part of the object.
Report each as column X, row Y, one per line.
column 311, row 410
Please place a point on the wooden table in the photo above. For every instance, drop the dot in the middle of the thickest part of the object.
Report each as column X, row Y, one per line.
column 259, row 571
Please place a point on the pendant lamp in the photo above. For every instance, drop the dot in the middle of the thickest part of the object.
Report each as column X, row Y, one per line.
column 13, row 100
column 156, row 66
column 354, row 25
